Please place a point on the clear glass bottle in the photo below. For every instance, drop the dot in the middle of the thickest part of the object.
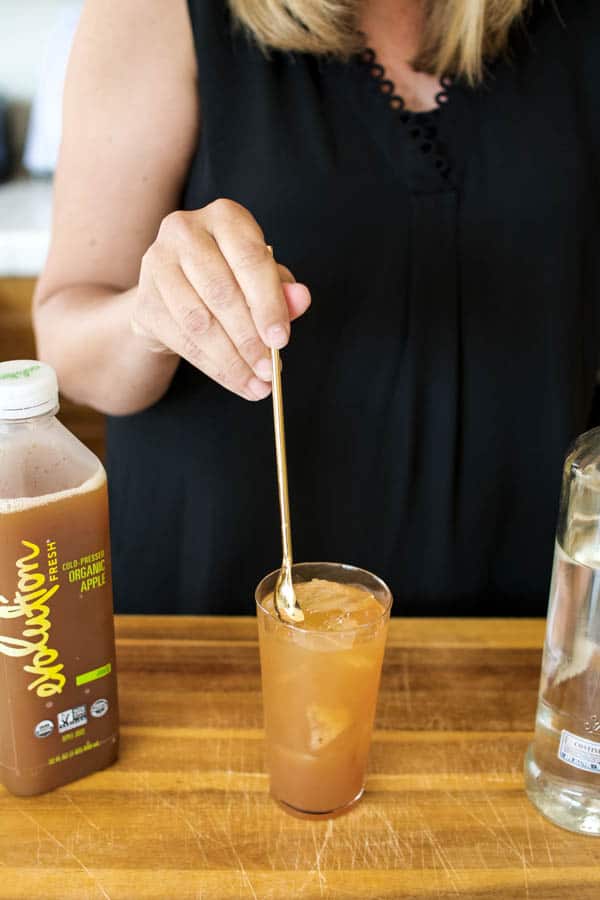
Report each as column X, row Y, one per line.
column 562, row 765
column 58, row 691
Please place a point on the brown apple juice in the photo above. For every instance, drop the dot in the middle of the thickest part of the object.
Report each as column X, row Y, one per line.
column 58, row 691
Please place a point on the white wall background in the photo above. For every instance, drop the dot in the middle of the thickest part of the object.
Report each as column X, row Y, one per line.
column 25, row 27
column 35, row 37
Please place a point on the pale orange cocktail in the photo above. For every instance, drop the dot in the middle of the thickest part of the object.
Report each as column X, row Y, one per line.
column 320, row 682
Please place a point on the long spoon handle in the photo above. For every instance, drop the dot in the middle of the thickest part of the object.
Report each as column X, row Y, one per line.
column 280, row 452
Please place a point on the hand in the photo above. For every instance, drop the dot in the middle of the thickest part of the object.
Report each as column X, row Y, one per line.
column 211, row 292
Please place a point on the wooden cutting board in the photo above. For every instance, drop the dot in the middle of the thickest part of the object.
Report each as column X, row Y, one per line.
column 186, row 813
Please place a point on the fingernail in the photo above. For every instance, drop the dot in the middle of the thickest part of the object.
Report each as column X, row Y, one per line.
column 258, row 388
column 263, row 369
column 277, row 336
column 301, row 288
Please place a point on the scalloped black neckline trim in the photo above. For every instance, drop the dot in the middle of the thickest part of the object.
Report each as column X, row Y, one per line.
column 368, row 57
column 422, row 126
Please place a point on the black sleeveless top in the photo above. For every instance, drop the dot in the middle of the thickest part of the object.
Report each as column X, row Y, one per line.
column 450, row 353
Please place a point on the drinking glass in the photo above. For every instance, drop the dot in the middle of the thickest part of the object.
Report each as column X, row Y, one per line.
column 319, row 696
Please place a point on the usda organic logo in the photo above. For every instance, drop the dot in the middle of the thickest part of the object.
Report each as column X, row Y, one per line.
column 99, row 708
column 43, row 728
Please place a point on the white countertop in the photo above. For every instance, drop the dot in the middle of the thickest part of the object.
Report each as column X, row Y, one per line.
column 25, row 214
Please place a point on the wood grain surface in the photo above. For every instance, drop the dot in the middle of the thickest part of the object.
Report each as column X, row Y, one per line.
column 186, row 813
column 17, row 342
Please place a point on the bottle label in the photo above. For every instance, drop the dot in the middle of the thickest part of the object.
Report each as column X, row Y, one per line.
column 57, row 653
column 579, row 752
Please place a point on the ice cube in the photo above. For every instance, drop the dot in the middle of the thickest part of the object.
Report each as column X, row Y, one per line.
column 325, row 724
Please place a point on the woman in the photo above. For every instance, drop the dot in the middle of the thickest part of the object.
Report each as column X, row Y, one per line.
column 429, row 171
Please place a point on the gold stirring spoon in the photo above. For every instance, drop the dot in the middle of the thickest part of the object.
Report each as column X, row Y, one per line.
column 286, row 603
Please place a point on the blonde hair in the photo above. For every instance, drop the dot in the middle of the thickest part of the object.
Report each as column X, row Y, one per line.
column 459, row 35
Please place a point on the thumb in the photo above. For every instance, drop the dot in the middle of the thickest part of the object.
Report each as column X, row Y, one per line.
column 297, row 297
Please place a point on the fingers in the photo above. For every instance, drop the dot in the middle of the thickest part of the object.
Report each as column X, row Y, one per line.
column 192, row 331
column 211, row 292
column 220, row 295
column 242, row 244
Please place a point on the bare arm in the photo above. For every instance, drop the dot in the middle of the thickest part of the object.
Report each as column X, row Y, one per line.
column 120, row 256
column 130, row 123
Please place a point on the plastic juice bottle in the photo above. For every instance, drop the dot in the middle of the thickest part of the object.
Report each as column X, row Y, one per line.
column 58, row 690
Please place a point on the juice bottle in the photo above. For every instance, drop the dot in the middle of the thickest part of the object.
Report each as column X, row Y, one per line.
column 58, row 691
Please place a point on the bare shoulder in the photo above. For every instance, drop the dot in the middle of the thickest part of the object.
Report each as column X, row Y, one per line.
column 131, row 54
column 128, row 30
